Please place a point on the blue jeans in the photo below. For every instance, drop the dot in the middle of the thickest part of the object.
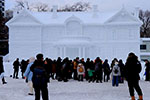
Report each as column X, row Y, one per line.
column 115, row 81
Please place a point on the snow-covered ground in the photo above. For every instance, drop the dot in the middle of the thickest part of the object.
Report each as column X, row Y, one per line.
column 17, row 89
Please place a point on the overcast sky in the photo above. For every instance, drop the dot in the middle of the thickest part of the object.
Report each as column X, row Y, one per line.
column 102, row 4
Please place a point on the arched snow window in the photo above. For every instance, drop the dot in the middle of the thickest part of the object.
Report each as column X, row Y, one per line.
column 73, row 26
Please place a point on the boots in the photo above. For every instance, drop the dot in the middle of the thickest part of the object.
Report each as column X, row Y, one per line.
column 132, row 98
column 3, row 80
column 140, row 97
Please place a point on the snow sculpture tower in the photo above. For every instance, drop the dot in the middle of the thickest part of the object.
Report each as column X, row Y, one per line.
column 95, row 11
column 55, row 7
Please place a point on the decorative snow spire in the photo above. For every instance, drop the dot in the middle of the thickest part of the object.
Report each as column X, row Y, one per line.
column 137, row 12
column 123, row 10
column 95, row 11
column 16, row 12
column 123, row 6
column 54, row 15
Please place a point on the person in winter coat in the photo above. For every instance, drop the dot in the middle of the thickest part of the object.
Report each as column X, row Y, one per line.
column 28, row 75
column 98, row 70
column 2, row 71
column 115, row 74
column 75, row 63
column 16, row 65
column 147, row 70
column 121, row 77
column 40, row 78
column 132, row 70
column 58, row 69
column 23, row 67
column 87, row 66
column 54, row 65
column 80, row 71
column 48, row 67
column 91, row 72
column 106, row 70
column 65, row 69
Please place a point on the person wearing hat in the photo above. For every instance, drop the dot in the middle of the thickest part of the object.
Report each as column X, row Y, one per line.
column 40, row 78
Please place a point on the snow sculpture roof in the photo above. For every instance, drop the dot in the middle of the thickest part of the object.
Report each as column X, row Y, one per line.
column 86, row 17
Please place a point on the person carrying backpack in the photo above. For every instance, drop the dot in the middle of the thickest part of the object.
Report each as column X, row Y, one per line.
column 115, row 74
column 40, row 78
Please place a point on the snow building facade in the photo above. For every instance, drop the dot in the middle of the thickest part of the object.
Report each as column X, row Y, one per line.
column 93, row 34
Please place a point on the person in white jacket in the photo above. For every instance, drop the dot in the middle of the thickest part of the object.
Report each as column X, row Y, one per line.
column 115, row 74
column 28, row 74
column 80, row 71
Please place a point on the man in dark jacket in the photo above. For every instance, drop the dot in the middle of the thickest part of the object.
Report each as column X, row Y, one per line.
column 2, row 70
column 16, row 65
column 147, row 70
column 132, row 70
column 106, row 70
column 98, row 70
column 40, row 78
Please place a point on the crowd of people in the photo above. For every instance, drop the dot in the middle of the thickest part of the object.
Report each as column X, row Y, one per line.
column 77, row 69
column 37, row 72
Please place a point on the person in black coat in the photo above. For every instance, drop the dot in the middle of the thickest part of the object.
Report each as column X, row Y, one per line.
column 87, row 66
column 58, row 69
column 106, row 71
column 2, row 70
column 121, row 65
column 40, row 78
column 23, row 67
column 147, row 70
column 98, row 70
column 16, row 65
column 132, row 70
column 65, row 69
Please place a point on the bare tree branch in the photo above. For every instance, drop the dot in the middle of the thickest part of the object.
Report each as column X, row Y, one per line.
column 145, row 28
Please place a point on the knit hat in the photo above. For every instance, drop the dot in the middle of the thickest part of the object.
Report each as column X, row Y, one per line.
column 39, row 56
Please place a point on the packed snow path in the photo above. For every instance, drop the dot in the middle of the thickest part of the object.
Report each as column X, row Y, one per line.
column 17, row 89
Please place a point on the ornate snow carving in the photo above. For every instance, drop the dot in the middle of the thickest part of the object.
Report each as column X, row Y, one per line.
column 73, row 26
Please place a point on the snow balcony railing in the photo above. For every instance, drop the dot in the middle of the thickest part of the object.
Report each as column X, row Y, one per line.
column 73, row 37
